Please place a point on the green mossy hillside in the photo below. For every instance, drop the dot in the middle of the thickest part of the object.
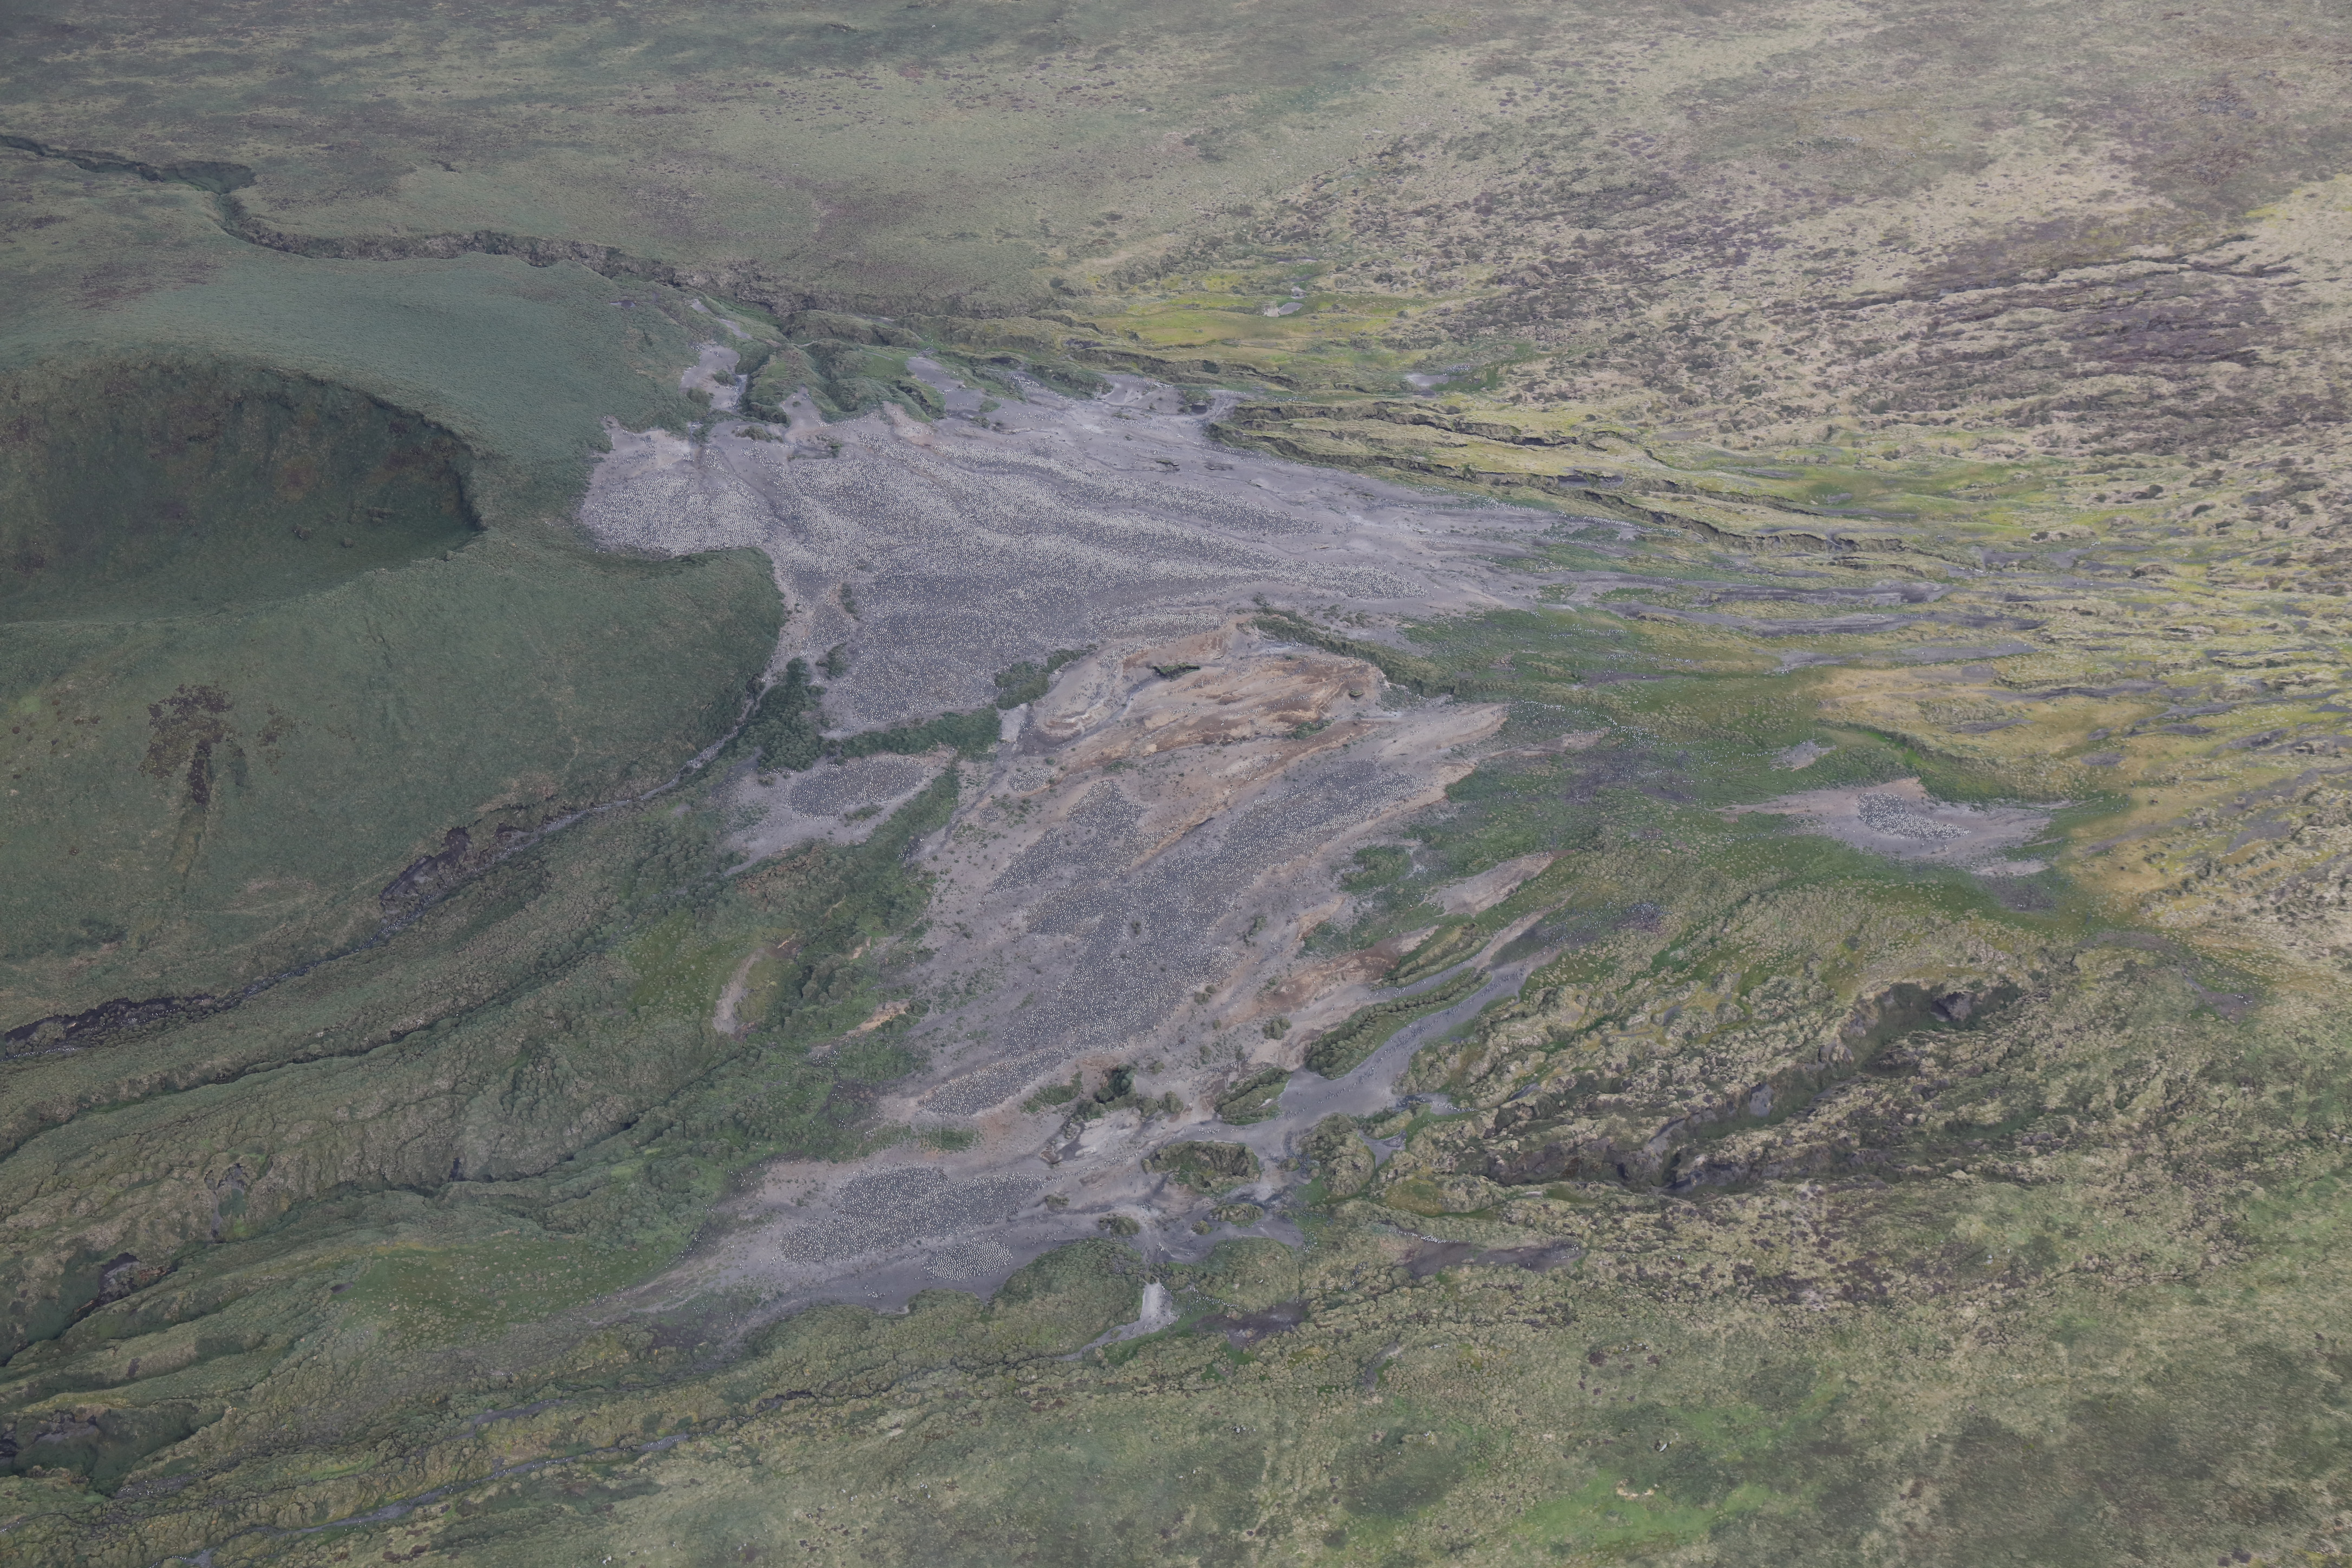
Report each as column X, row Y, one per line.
column 131, row 490
column 247, row 748
column 516, row 1104
column 227, row 795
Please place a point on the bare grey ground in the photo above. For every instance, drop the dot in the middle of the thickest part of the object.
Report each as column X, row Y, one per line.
column 713, row 373
column 1901, row 820
column 839, row 802
column 1127, row 881
column 963, row 548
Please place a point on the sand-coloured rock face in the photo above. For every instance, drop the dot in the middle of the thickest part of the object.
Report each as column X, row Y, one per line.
column 1225, row 700
column 1184, row 683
